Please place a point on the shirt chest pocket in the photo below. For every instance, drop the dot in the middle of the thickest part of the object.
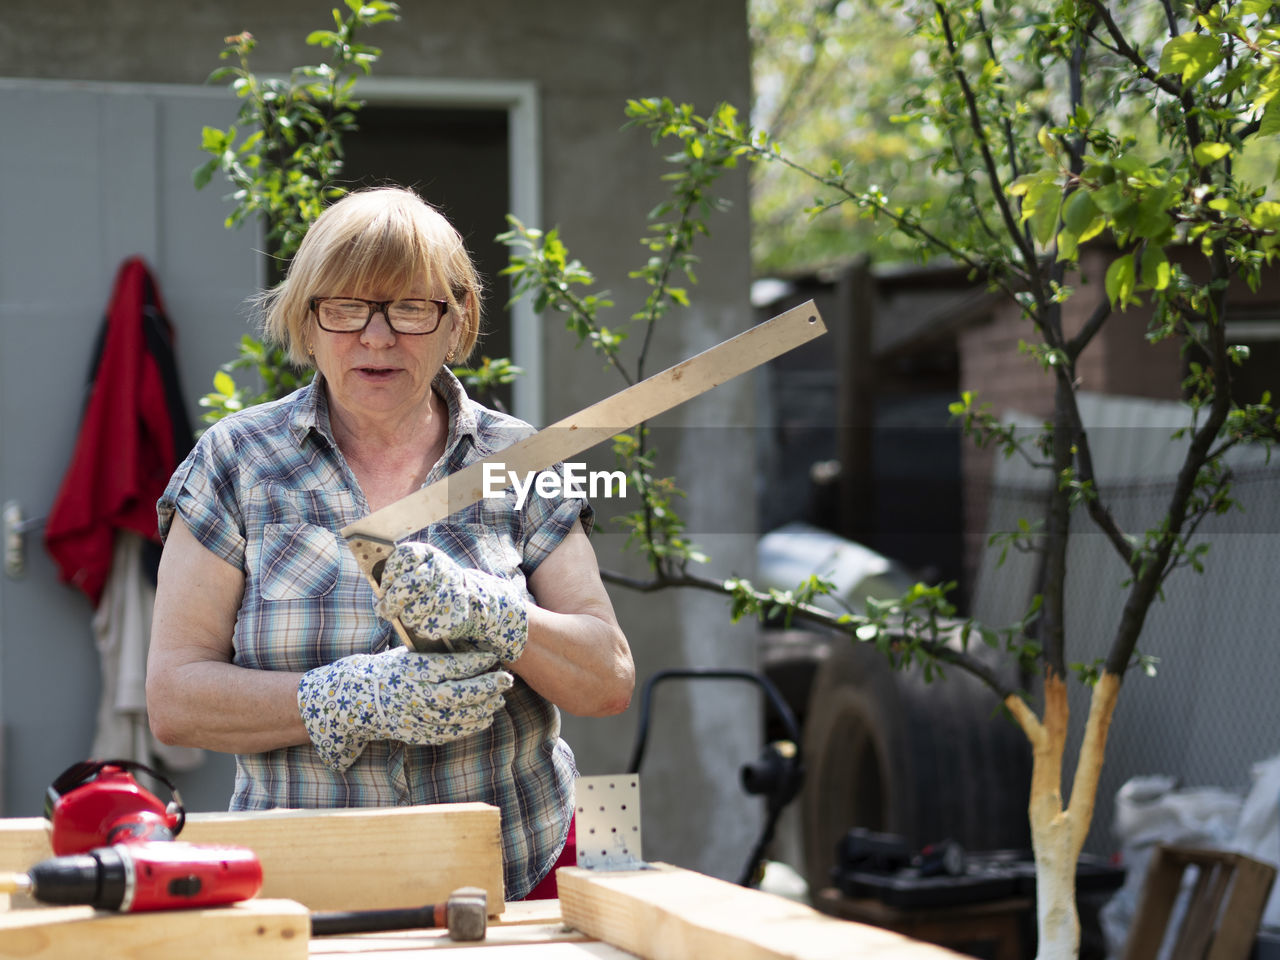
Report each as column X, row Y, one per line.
column 299, row 561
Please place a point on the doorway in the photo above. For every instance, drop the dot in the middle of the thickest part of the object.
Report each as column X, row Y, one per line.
column 458, row 160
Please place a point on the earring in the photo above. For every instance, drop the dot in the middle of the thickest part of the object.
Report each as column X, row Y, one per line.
column 449, row 357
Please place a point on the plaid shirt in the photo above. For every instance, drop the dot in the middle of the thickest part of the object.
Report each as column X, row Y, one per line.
column 267, row 490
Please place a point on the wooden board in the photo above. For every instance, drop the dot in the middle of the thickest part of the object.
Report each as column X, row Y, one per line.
column 1221, row 914
column 409, row 941
column 346, row 859
column 254, row 930
column 579, row 950
column 667, row 913
column 372, row 538
column 595, row 424
column 531, row 911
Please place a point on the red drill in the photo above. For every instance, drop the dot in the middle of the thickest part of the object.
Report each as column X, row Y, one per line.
column 116, row 848
column 149, row 875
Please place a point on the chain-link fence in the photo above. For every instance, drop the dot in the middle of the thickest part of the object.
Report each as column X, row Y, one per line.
column 1212, row 710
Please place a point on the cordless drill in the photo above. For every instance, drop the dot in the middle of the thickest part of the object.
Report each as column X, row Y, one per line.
column 115, row 848
column 147, row 875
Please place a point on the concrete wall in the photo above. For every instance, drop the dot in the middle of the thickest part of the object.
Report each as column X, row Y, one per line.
column 597, row 184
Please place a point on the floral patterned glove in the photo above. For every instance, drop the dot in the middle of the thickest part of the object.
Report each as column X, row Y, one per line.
column 398, row 695
column 439, row 600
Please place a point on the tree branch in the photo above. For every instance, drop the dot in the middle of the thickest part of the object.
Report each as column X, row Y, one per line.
column 993, row 175
column 902, row 222
column 1154, row 568
column 784, row 114
column 936, row 648
column 575, row 304
column 1122, row 47
column 1075, row 346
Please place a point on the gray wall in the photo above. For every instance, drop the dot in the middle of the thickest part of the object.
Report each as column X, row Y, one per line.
column 597, row 185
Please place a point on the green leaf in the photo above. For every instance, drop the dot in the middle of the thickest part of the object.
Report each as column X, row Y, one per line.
column 1270, row 124
column 1068, row 245
column 1045, row 201
column 1155, row 267
column 202, row 174
column 1046, row 141
column 1119, row 282
column 213, row 140
column 1210, row 152
column 1192, row 55
column 1023, row 184
column 223, row 383
column 1079, row 211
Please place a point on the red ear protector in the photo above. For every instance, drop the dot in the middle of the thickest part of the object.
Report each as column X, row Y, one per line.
column 98, row 803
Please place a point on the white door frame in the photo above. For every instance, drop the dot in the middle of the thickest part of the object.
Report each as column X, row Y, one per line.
column 524, row 161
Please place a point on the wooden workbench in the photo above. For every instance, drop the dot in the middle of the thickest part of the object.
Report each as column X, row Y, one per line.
column 661, row 914
column 362, row 859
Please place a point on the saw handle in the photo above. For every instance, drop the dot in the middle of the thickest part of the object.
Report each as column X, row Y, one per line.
column 371, row 554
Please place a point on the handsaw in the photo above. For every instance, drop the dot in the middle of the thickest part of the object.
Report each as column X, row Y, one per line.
column 372, row 538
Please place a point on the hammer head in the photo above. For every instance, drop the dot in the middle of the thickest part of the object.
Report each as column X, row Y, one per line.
column 467, row 913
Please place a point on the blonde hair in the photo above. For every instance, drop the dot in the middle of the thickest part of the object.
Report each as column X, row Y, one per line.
column 384, row 239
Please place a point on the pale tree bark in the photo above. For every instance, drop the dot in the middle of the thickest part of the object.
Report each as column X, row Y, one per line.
column 1058, row 832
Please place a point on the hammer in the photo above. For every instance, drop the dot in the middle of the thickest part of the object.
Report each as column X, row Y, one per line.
column 465, row 914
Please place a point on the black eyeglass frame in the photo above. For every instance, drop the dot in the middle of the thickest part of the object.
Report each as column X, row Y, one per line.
column 381, row 306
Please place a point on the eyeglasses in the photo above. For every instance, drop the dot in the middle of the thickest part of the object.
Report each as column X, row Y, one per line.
column 353, row 314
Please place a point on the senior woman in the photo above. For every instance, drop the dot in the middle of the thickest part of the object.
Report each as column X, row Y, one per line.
column 267, row 641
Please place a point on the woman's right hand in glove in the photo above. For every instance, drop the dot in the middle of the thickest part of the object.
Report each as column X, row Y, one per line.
column 420, row 698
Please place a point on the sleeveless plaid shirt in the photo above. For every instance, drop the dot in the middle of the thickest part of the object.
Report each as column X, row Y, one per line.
column 266, row 490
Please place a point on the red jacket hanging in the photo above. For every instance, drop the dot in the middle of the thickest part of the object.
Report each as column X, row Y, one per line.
column 132, row 435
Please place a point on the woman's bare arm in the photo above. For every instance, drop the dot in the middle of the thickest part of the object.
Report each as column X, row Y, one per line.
column 577, row 656
column 196, row 696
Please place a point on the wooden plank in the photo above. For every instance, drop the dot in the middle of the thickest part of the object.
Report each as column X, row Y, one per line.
column 345, row 859
column 1155, row 904
column 596, row 423
column 1200, row 922
column 667, row 913
column 1223, row 910
column 372, row 538
column 530, row 911
column 581, row 950
column 406, row 942
column 23, row 842
column 254, row 930
column 1244, row 909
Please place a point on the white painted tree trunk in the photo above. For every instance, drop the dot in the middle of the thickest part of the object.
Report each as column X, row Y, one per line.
column 1058, row 832
column 1057, row 921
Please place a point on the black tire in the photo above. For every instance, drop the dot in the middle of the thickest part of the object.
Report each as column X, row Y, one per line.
column 930, row 762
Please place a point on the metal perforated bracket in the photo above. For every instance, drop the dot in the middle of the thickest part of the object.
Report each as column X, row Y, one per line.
column 608, row 823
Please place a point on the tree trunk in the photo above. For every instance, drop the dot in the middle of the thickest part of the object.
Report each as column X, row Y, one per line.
column 1058, row 832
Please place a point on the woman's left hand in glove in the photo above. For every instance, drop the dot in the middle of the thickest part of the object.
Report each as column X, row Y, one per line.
column 438, row 599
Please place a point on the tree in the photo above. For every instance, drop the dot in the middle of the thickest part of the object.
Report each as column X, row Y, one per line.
column 1032, row 115
column 831, row 78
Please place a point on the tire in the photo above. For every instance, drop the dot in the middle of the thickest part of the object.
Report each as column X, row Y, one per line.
column 930, row 762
